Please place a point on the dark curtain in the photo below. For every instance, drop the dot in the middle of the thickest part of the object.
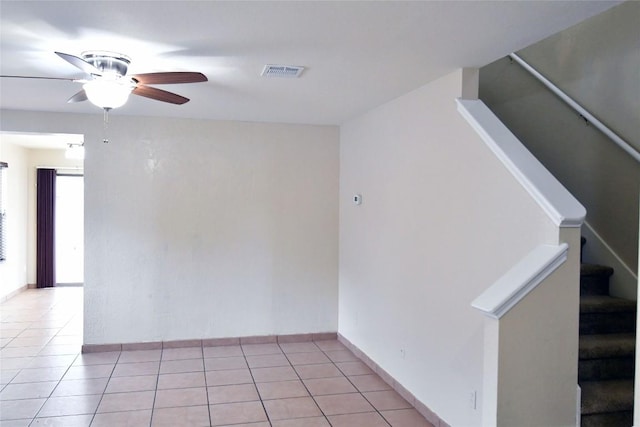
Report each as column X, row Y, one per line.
column 46, row 201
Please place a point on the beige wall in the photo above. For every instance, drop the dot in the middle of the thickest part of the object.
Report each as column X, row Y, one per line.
column 441, row 220
column 537, row 373
column 599, row 67
column 50, row 158
column 20, row 268
column 13, row 271
column 596, row 63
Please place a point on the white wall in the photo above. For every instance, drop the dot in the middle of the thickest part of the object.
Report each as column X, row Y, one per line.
column 441, row 220
column 13, row 271
column 203, row 229
column 210, row 229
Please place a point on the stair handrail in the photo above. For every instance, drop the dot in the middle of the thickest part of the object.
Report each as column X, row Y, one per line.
column 579, row 108
column 562, row 208
column 522, row 278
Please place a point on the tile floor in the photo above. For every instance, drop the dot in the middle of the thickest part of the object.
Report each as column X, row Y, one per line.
column 45, row 381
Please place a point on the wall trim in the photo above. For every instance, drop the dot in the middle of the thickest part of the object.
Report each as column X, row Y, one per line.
column 423, row 409
column 521, row 279
column 209, row 342
column 624, row 282
column 556, row 201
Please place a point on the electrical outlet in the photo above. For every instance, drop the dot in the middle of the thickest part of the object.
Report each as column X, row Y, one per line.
column 473, row 400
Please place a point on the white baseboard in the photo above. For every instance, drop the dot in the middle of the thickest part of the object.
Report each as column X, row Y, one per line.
column 624, row 282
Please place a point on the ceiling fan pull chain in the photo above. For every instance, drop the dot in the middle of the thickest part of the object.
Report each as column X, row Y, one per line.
column 105, row 138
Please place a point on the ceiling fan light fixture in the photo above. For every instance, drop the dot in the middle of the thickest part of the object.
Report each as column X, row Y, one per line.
column 108, row 62
column 107, row 94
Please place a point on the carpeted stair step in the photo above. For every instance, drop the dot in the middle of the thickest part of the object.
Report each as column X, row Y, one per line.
column 600, row 314
column 606, row 357
column 608, row 419
column 606, row 350
column 607, row 345
column 594, row 279
column 605, row 369
column 606, row 396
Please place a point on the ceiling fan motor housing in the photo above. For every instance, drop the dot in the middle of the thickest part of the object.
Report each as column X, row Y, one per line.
column 108, row 62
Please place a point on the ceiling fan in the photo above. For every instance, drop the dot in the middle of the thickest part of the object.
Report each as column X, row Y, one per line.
column 108, row 85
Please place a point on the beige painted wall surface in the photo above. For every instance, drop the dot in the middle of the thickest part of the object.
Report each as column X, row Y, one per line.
column 441, row 219
column 203, row 229
column 42, row 157
column 13, row 271
column 20, row 269
column 597, row 63
column 542, row 320
column 600, row 67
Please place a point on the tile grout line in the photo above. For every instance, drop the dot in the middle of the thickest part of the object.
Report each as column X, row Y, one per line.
column 303, row 383
column 46, row 399
column 350, row 382
column 155, row 391
column 93, row 417
column 119, row 360
column 264, row 408
column 362, row 393
column 58, row 383
column 206, row 385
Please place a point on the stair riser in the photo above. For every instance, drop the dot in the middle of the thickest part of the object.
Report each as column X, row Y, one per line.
column 605, row 369
column 594, row 285
column 607, row 323
column 609, row 419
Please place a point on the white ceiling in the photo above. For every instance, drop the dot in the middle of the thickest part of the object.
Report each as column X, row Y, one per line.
column 51, row 141
column 357, row 54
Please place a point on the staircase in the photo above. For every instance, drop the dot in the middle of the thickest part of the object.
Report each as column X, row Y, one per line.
column 606, row 352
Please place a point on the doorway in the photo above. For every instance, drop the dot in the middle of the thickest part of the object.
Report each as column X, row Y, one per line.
column 69, row 230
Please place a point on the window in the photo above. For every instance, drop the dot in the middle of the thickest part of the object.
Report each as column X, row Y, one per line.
column 3, row 211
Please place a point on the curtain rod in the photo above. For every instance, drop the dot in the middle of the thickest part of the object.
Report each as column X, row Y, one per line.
column 80, row 168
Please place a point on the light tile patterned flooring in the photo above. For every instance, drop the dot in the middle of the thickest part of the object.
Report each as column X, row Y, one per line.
column 46, row 381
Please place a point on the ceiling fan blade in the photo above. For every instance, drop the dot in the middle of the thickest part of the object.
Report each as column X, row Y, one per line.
column 80, row 63
column 42, row 78
column 159, row 95
column 169, row 78
column 78, row 97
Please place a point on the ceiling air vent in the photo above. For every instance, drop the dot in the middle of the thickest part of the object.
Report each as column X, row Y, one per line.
column 287, row 71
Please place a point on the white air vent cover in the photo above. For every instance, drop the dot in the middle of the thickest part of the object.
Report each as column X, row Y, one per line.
column 287, row 71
